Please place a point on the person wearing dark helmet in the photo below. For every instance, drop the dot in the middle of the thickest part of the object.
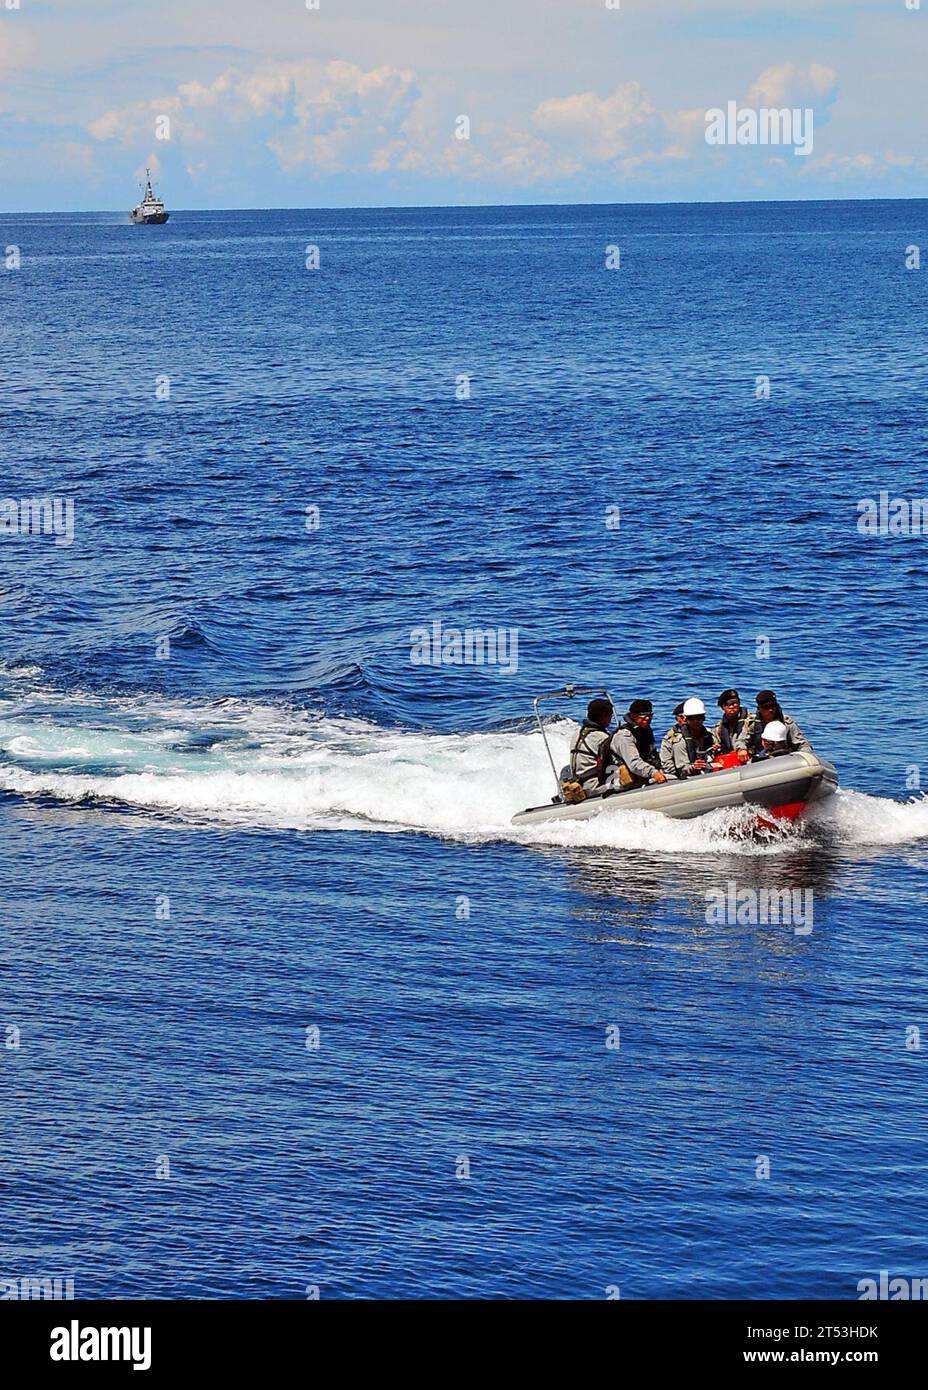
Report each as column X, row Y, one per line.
column 590, row 754
column 734, row 714
column 768, row 709
column 679, row 721
column 634, row 748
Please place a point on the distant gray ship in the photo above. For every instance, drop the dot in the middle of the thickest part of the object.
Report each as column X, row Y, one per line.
column 150, row 211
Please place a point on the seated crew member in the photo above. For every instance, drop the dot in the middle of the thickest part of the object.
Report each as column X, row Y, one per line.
column 634, row 748
column 768, row 708
column 773, row 741
column 734, row 716
column 673, row 733
column 691, row 753
column 590, row 753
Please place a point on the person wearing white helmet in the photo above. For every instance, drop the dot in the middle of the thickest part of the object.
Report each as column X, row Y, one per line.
column 774, row 740
column 769, row 708
column 691, row 754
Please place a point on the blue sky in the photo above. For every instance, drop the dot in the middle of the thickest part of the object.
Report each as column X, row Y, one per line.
column 267, row 103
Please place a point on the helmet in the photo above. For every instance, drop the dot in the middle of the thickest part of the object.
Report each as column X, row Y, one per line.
column 695, row 706
column 774, row 732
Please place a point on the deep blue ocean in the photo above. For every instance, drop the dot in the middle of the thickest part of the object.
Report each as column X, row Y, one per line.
column 286, row 1003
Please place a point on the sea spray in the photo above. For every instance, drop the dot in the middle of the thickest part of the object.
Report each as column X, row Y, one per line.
column 249, row 764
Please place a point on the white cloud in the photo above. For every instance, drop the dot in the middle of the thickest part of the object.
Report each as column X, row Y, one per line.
column 789, row 85
column 599, row 130
column 332, row 117
column 351, row 119
column 326, row 118
column 339, row 116
column 151, row 164
column 863, row 165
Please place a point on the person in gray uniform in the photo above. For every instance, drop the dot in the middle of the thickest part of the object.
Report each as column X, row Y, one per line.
column 773, row 741
column 768, row 709
column 691, row 753
column 634, row 749
column 673, row 733
column 734, row 717
column 590, row 754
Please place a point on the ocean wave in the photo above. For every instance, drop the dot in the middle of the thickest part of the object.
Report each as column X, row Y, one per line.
column 237, row 762
column 21, row 673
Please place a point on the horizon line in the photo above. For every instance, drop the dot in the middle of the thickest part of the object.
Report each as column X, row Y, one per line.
column 469, row 207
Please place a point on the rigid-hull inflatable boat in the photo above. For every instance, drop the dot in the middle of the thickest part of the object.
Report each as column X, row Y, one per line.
column 778, row 788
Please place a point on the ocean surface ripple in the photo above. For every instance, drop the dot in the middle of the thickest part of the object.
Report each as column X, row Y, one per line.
column 234, row 811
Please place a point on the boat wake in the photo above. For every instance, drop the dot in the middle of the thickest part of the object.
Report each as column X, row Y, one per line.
column 237, row 763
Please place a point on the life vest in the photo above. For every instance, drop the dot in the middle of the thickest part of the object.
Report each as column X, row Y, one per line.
column 724, row 735
column 643, row 735
column 754, row 728
column 698, row 744
column 647, row 751
column 599, row 756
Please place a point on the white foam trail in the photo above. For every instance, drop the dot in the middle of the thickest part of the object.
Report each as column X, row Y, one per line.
column 246, row 764
column 853, row 818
